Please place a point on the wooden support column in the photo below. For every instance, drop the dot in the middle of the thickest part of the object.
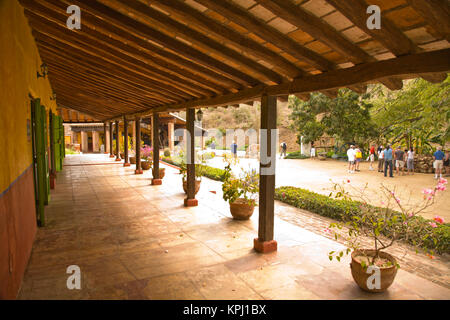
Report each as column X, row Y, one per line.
column 117, row 142
column 134, row 136
column 125, row 142
column 111, row 151
column 84, row 142
column 137, row 124
column 171, row 135
column 105, row 137
column 156, row 181
column 265, row 243
column 190, row 201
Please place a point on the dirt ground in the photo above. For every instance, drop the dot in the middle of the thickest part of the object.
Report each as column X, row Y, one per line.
column 316, row 175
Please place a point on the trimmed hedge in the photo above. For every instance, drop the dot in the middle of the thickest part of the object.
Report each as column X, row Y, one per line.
column 209, row 172
column 343, row 210
column 296, row 155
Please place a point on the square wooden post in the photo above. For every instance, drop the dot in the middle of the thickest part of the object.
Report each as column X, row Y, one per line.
column 137, row 124
column 105, row 137
column 117, row 142
column 156, row 181
column 111, row 151
column 265, row 243
column 171, row 135
column 190, row 201
column 125, row 141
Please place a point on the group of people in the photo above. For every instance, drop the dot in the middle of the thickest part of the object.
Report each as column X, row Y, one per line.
column 403, row 160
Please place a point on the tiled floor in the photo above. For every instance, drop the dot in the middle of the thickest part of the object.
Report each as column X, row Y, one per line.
column 132, row 240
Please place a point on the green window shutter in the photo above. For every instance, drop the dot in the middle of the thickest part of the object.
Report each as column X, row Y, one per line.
column 56, row 134
column 39, row 119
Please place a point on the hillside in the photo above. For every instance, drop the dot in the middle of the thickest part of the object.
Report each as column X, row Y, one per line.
column 246, row 117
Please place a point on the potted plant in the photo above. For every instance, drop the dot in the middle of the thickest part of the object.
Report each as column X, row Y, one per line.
column 241, row 192
column 199, row 170
column 372, row 268
column 147, row 157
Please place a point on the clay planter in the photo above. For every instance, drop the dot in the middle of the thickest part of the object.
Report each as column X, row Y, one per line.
column 360, row 276
column 162, row 172
column 122, row 155
column 241, row 209
column 145, row 165
column 197, row 186
column 133, row 160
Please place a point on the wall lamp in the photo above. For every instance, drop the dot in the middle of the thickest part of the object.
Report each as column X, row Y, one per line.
column 44, row 71
column 199, row 115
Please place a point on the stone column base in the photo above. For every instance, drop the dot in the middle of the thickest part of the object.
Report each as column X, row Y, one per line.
column 190, row 202
column 264, row 246
column 156, row 182
column 111, row 156
column 118, row 159
column 106, row 152
column 138, row 171
column 126, row 164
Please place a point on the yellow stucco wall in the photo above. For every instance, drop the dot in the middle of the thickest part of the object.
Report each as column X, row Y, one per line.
column 19, row 62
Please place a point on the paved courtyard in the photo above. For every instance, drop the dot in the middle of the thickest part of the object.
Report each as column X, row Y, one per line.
column 132, row 240
column 315, row 175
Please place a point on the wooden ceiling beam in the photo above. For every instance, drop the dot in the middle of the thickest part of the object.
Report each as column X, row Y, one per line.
column 102, row 67
column 76, row 66
column 436, row 13
column 317, row 28
column 434, row 77
column 160, row 55
column 146, row 32
column 127, row 53
column 237, row 15
column 389, row 35
column 114, row 64
column 157, row 18
column 193, row 17
column 427, row 62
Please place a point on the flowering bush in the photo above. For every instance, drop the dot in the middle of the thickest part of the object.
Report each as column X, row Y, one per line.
column 393, row 225
column 344, row 209
column 147, row 153
column 245, row 186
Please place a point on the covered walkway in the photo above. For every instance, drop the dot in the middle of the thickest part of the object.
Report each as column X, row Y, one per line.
column 133, row 242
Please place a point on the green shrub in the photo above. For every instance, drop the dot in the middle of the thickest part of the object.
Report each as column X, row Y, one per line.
column 207, row 171
column 296, row 155
column 330, row 154
column 343, row 210
column 167, row 152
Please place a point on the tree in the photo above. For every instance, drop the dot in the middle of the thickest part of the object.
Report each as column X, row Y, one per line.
column 347, row 117
column 415, row 116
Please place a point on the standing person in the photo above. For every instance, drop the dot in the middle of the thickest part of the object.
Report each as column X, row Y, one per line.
column 438, row 162
column 351, row 154
column 447, row 163
column 399, row 156
column 371, row 157
column 313, row 150
column 358, row 158
column 410, row 160
column 388, row 161
column 283, row 149
column 234, row 149
column 380, row 159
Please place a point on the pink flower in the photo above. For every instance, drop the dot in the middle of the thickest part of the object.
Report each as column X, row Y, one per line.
column 348, row 181
column 405, row 223
column 442, row 181
column 382, row 203
column 441, row 187
column 283, row 195
column 397, row 199
column 428, row 191
column 410, row 214
column 439, row 219
column 327, row 230
column 433, row 225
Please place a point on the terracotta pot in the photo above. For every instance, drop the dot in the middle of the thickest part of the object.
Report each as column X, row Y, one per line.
column 145, row 165
column 360, row 275
column 133, row 160
column 197, row 186
column 122, row 155
column 162, row 172
column 241, row 209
